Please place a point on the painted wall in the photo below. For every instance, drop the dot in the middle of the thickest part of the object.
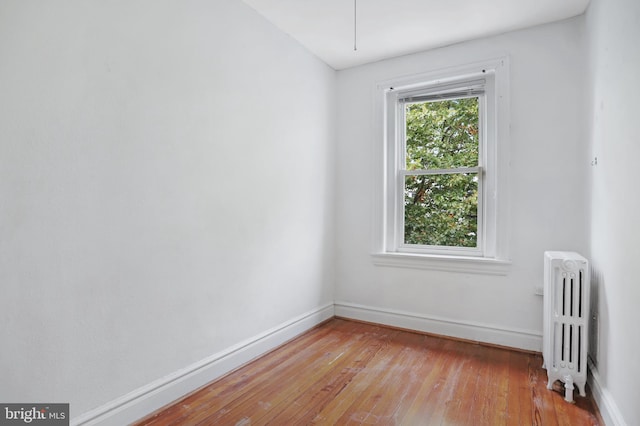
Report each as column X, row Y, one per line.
column 167, row 178
column 614, row 66
column 548, row 195
column 166, row 175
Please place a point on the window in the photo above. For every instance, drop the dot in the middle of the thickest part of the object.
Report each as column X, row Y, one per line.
column 440, row 139
column 441, row 197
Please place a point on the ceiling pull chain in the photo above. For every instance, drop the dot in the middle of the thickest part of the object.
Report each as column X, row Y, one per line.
column 355, row 25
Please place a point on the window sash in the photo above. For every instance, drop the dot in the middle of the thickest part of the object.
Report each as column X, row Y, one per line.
column 456, row 90
column 420, row 172
column 478, row 250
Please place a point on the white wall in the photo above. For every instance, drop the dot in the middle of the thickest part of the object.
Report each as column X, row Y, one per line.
column 548, row 197
column 166, row 184
column 614, row 66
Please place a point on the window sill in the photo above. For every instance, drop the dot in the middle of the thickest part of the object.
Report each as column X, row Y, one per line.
column 468, row 265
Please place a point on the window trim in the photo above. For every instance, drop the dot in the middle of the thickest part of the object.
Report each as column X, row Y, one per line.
column 492, row 258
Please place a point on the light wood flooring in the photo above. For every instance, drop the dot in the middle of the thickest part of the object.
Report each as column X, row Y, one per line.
column 350, row 373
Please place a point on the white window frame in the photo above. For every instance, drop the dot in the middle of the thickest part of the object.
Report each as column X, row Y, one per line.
column 490, row 256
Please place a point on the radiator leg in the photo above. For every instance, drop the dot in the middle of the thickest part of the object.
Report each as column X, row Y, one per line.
column 581, row 389
column 568, row 388
column 550, row 383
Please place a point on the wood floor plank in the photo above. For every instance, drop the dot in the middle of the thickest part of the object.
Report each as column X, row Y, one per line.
column 301, row 400
column 457, row 412
column 426, row 355
column 270, row 396
column 478, row 403
column 499, row 387
column 437, row 388
column 351, row 373
column 308, row 405
column 400, row 381
column 519, row 397
column 388, row 373
column 364, row 379
column 544, row 411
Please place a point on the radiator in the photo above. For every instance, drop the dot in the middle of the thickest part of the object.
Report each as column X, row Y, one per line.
column 566, row 319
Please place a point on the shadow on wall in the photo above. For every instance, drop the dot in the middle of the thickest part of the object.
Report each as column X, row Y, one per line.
column 598, row 311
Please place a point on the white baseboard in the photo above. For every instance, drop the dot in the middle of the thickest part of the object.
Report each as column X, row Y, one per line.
column 510, row 337
column 159, row 393
column 606, row 404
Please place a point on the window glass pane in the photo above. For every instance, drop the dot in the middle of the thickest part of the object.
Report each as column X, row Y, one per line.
column 442, row 134
column 441, row 210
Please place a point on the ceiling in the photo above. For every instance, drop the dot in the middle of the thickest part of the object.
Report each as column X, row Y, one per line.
column 389, row 28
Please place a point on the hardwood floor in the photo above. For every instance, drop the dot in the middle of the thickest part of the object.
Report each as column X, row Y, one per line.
column 350, row 373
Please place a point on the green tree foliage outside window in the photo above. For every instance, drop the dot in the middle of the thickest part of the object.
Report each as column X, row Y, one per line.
column 441, row 209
